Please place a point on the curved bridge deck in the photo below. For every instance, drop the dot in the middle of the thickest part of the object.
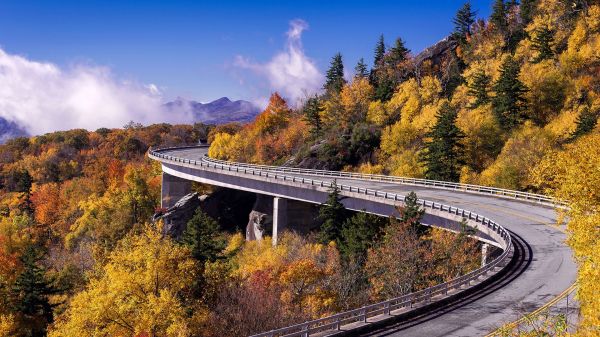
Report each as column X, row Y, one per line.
column 544, row 268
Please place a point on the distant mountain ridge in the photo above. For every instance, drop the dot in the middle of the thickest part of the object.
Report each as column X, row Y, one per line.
column 10, row 130
column 219, row 111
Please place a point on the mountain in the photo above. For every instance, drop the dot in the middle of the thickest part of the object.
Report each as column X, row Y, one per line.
column 219, row 111
column 9, row 130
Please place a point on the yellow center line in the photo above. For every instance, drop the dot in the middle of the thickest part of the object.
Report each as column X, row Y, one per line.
column 566, row 292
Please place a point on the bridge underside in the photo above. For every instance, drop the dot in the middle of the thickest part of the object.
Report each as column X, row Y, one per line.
column 288, row 212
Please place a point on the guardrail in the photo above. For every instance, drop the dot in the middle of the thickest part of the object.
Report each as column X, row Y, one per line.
column 532, row 197
column 495, row 191
column 335, row 322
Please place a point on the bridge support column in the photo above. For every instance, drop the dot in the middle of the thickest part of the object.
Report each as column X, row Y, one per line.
column 484, row 253
column 280, row 206
column 173, row 189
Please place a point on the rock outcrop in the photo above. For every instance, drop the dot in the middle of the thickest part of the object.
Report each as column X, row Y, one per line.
column 175, row 218
column 260, row 220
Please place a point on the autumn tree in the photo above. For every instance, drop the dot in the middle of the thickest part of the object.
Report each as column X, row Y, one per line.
column 444, row 150
column 393, row 265
column 138, row 292
column 509, row 104
column 478, row 89
column 542, row 43
column 586, row 122
column 565, row 174
column 334, row 79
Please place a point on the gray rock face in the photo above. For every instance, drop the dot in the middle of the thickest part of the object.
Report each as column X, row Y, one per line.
column 260, row 220
column 175, row 218
column 436, row 52
column 257, row 225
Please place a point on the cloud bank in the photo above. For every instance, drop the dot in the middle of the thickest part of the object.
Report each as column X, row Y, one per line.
column 41, row 97
column 290, row 71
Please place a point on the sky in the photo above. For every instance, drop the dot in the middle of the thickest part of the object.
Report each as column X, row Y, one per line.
column 136, row 53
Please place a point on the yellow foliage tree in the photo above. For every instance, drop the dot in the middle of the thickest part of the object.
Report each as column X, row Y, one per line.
column 137, row 293
column 573, row 175
column 355, row 99
column 518, row 156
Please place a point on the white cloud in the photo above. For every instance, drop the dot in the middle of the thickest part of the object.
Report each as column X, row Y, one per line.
column 290, row 71
column 41, row 97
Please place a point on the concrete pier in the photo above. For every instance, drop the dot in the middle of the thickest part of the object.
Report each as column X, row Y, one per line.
column 173, row 189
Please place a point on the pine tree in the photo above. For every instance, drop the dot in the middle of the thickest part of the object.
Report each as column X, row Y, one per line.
column 586, row 122
column 443, row 156
column 333, row 214
column 312, row 115
column 526, row 11
column 411, row 212
column 463, row 20
column 379, row 52
column 335, row 75
column 384, row 87
column 361, row 71
column 498, row 17
column 358, row 234
column 509, row 103
column 203, row 237
column 31, row 292
column 478, row 88
column 543, row 42
column 398, row 53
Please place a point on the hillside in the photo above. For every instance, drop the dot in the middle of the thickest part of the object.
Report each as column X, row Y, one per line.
column 511, row 101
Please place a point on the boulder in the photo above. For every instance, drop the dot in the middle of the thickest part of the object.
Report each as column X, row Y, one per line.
column 175, row 218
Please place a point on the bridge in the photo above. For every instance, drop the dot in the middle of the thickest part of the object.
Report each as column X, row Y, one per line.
column 534, row 267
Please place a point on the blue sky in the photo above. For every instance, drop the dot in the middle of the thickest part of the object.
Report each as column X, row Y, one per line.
column 189, row 48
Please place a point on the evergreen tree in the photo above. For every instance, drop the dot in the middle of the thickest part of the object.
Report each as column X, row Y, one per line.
column 526, row 11
column 203, row 237
column 384, row 87
column 31, row 292
column 335, row 75
column 463, row 20
column 358, row 234
column 498, row 17
column 509, row 103
column 543, row 42
column 333, row 214
column 398, row 53
column 586, row 122
column 379, row 52
column 312, row 115
column 411, row 212
column 443, row 156
column 361, row 71
column 478, row 88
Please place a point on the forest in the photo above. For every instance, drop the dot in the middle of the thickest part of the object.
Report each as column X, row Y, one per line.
column 511, row 101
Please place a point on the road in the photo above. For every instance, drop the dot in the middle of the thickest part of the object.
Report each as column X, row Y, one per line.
column 544, row 270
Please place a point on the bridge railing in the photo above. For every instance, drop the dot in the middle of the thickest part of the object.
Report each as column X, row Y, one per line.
column 532, row 197
column 407, row 302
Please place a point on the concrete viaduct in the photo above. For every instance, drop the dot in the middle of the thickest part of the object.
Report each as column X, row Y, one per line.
column 535, row 265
